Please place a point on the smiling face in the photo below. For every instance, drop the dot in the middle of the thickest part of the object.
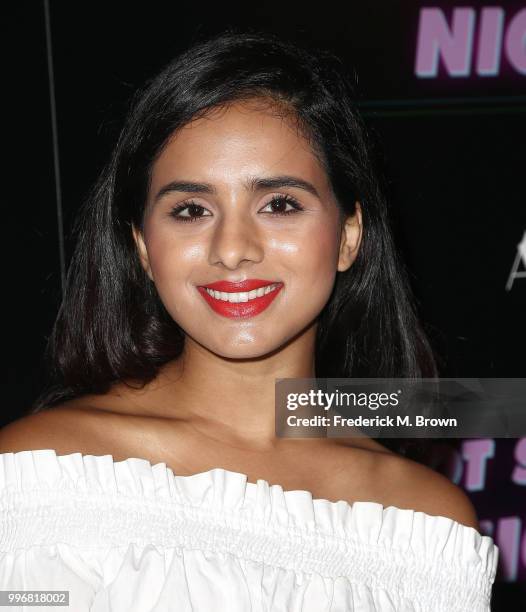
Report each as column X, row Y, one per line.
column 237, row 195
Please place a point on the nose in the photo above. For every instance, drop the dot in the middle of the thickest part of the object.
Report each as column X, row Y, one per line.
column 235, row 241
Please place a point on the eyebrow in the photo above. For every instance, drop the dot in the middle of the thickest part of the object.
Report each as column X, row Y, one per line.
column 252, row 184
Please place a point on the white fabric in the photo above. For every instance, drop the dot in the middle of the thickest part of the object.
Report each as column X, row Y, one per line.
column 129, row 536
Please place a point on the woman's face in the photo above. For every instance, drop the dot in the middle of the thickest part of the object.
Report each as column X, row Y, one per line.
column 213, row 214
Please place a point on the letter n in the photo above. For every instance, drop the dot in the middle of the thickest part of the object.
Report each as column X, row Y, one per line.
column 435, row 40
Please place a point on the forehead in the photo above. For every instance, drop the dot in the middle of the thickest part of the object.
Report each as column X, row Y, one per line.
column 238, row 139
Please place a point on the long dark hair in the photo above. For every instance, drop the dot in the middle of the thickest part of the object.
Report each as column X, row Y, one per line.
column 112, row 325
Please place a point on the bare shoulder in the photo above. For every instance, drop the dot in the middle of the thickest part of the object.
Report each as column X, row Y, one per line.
column 423, row 489
column 66, row 428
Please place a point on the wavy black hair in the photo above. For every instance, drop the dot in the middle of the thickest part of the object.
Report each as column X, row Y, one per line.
column 112, row 325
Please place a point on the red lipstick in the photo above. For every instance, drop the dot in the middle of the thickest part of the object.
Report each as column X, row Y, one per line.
column 250, row 308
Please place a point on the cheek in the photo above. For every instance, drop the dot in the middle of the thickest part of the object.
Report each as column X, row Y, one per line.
column 172, row 262
column 169, row 256
column 312, row 257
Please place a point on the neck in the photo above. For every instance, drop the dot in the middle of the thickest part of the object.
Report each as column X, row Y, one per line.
column 234, row 399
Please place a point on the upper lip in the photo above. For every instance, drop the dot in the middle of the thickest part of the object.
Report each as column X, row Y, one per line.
column 246, row 285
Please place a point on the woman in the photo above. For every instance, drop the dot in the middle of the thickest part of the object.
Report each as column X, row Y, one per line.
column 237, row 235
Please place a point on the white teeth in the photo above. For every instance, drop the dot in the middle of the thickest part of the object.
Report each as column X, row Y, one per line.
column 242, row 296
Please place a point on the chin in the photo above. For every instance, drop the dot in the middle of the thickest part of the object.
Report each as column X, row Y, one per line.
column 243, row 351
column 240, row 347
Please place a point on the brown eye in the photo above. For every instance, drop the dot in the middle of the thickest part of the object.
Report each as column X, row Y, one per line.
column 195, row 211
column 279, row 205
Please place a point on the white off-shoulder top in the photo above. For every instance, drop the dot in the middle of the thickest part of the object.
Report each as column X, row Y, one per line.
column 129, row 536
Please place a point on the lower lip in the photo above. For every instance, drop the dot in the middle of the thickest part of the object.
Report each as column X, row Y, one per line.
column 241, row 309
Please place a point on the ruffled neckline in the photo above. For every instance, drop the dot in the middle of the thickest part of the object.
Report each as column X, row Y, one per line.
column 146, row 473
column 224, row 497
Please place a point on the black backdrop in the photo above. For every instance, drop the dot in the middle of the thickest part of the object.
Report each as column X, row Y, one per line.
column 452, row 149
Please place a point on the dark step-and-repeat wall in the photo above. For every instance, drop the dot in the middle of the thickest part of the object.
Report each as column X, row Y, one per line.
column 443, row 88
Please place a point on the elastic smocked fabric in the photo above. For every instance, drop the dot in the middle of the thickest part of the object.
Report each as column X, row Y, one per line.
column 129, row 536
